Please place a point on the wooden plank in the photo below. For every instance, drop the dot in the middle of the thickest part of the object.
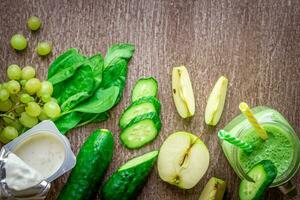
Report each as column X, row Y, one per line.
column 256, row 44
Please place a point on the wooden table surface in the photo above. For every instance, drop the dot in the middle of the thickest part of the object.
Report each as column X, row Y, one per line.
column 255, row 43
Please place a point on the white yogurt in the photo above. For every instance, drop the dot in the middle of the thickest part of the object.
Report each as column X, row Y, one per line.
column 43, row 151
column 19, row 175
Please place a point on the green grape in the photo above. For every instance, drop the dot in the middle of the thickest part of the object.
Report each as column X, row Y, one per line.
column 14, row 98
column 28, row 72
column 32, row 86
column 14, row 72
column 52, row 109
column 33, row 109
column 9, row 133
column 4, row 94
column 23, row 83
column 13, row 87
column 46, row 98
column 44, row 48
column 20, row 109
column 5, row 105
column 46, row 89
column 53, row 100
column 43, row 116
column 3, row 139
column 34, row 23
column 9, row 118
column 26, row 98
column 17, row 125
column 28, row 121
column 18, row 42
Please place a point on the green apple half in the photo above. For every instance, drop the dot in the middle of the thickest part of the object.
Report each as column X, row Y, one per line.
column 216, row 101
column 183, row 160
column 183, row 94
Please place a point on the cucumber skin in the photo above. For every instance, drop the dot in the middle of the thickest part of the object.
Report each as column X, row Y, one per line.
column 271, row 173
column 152, row 116
column 141, row 79
column 149, row 99
column 126, row 184
column 92, row 162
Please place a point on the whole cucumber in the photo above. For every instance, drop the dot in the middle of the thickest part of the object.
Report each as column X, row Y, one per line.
column 93, row 160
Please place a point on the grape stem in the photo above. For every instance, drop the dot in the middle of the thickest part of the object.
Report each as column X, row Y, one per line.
column 4, row 115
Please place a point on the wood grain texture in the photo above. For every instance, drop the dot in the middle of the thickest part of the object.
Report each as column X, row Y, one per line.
column 255, row 43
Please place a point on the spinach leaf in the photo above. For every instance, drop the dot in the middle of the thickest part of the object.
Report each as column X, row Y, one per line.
column 118, row 52
column 55, row 65
column 76, row 89
column 115, row 75
column 87, row 118
column 67, row 68
column 101, row 101
column 67, row 122
column 97, row 64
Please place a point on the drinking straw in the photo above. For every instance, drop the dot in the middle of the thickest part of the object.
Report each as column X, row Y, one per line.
column 223, row 135
column 253, row 121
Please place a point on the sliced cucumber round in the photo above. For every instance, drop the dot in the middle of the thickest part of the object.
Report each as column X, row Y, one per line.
column 141, row 130
column 263, row 174
column 144, row 87
column 139, row 107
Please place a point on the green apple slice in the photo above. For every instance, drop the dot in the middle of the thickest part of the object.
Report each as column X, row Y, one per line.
column 183, row 94
column 183, row 160
column 213, row 190
column 216, row 101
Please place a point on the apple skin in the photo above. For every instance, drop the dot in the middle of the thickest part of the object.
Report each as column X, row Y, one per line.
column 182, row 90
column 213, row 190
column 183, row 160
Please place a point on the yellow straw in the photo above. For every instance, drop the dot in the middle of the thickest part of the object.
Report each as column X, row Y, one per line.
column 253, row 121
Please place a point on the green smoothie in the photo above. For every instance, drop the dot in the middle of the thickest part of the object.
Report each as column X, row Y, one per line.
column 282, row 147
column 278, row 148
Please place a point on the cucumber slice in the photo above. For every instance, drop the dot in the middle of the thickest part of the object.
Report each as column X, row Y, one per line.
column 139, row 107
column 144, row 87
column 263, row 175
column 128, row 180
column 141, row 130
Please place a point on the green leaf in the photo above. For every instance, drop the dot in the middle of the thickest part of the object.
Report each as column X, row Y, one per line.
column 87, row 118
column 76, row 89
column 97, row 64
column 67, row 122
column 65, row 68
column 118, row 52
column 101, row 101
column 55, row 65
column 115, row 75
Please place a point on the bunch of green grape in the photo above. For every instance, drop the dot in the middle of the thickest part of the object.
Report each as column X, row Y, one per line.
column 24, row 101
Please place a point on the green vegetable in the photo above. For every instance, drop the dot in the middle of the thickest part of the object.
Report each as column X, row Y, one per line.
column 263, row 174
column 144, row 87
column 141, row 130
column 93, row 160
column 87, row 118
column 97, row 68
column 76, row 89
column 44, row 48
column 118, row 52
column 139, row 107
column 128, row 180
column 88, row 88
column 68, row 121
column 34, row 23
column 65, row 66
column 18, row 42
column 101, row 101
